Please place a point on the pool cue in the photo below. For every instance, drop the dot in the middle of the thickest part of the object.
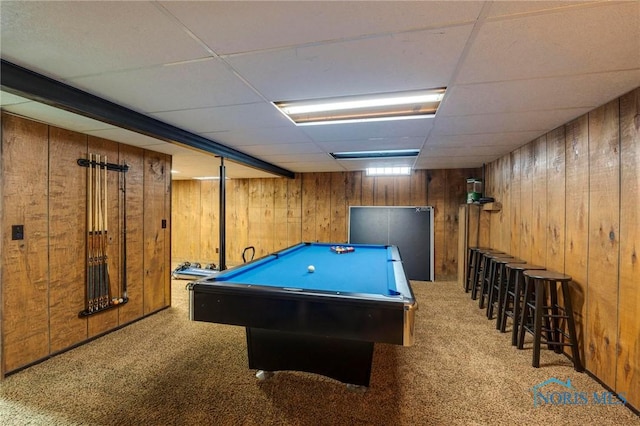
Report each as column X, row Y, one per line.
column 124, row 232
column 89, row 237
column 105, row 290
column 94, row 235
column 94, row 228
column 100, row 237
column 98, row 234
column 101, row 223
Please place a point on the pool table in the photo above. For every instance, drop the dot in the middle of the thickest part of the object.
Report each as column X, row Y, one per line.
column 324, row 321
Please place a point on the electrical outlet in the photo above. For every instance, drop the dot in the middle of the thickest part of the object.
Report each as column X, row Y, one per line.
column 17, row 232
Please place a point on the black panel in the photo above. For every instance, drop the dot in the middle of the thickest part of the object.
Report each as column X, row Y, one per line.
column 369, row 225
column 335, row 316
column 410, row 229
column 346, row 360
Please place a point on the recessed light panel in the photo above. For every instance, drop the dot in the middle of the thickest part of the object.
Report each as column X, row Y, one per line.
column 384, row 106
column 388, row 171
column 369, row 155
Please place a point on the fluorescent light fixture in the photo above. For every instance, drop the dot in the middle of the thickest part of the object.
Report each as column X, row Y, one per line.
column 384, row 106
column 369, row 155
column 388, row 171
column 362, row 120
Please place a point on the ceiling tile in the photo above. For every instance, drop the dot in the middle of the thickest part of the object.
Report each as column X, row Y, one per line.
column 55, row 116
column 463, row 151
column 248, row 116
column 127, row 137
column 223, row 25
column 284, row 160
column 580, row 91
column 501, row 9
column 505, row 122
column 296, row 148
column 268, row 135
column 470, row 141
column 415, row 60
column 575, row 41
column 373, row 144
column 316, row 166
column 376, row 129
column 190, row 85
column 453, row 162
column 74, row 38
column 7, row 98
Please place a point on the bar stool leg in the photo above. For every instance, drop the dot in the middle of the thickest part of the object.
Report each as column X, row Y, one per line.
column 471, row 269
column 466, row 272
column 575, row 352
column 501, row 323
column 480, row 272
column 487, row 282
column 495, row 297
column 518, row 308
column 555, row 320
column 524, row 314
column 537, row 318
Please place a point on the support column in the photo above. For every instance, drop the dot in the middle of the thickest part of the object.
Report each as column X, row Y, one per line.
column 223, row 263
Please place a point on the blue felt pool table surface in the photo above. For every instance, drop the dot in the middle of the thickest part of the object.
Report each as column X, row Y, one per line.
column 369, row 269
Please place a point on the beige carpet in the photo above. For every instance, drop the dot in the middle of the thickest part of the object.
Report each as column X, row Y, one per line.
column 166, row 370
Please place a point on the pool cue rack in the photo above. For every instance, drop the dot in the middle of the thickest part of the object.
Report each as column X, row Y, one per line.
column 98, row 289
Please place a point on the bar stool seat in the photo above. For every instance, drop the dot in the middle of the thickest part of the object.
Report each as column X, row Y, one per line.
column 512, row 297
column 539, row 285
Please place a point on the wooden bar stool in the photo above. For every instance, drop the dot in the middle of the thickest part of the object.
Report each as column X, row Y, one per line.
column 481, row 271
column 512, row 300
column 539, row 285
column 489, row 277
column 498, row 285
column 472, row 263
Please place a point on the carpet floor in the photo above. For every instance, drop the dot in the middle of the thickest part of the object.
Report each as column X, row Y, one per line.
column 167, row 370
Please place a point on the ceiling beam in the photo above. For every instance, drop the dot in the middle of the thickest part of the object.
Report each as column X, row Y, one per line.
column 31, row 85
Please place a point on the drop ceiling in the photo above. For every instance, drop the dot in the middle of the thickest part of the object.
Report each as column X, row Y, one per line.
column 514, row 70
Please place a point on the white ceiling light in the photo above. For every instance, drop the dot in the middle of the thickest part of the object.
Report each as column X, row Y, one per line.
column 376, row 155
column 384, row 106
column 388, row 171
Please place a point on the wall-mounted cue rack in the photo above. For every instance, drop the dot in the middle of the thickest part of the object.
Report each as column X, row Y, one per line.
column 98, row 292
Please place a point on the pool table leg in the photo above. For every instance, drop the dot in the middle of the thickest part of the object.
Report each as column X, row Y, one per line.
column 348, row 361
column 263, row 375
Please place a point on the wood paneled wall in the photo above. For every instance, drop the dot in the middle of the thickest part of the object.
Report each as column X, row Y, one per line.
column 571, row 202
column 43, row 275
column 271, row 214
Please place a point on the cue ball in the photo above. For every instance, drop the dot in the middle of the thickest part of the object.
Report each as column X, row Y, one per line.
column 311, row 268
